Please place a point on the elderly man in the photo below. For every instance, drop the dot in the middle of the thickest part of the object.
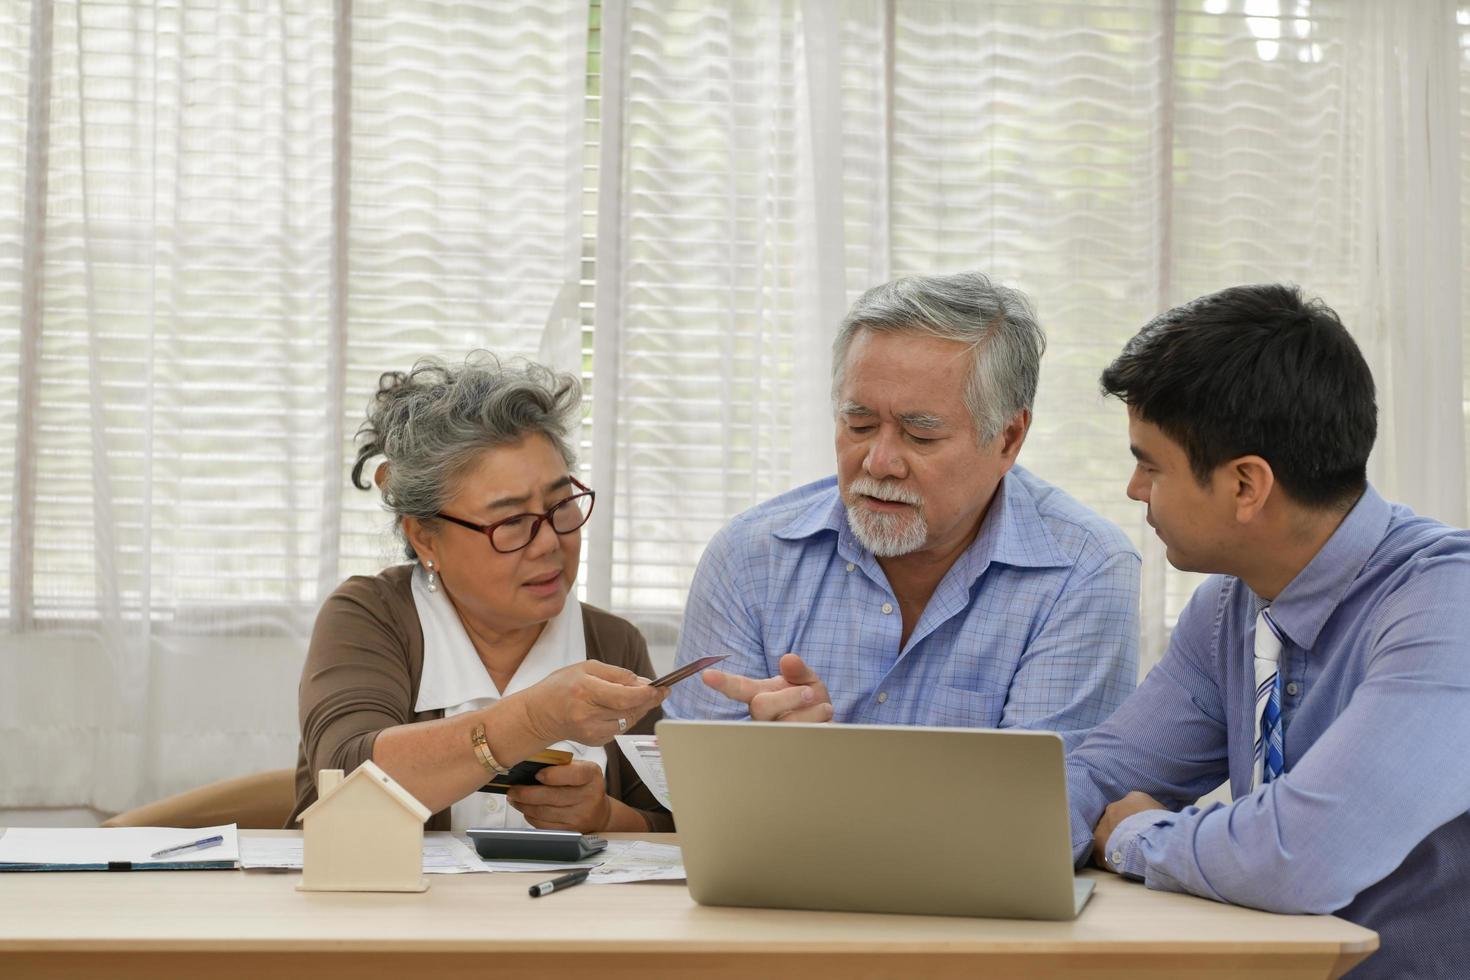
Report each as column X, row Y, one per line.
column 933, row 581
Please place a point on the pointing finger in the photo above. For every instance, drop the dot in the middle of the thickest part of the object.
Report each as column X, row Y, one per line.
column 732, row 686
column 795, row 671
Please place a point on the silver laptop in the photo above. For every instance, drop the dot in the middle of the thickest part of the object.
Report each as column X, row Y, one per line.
column 869, row 818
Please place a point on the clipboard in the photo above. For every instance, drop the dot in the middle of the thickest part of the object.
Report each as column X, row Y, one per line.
column 33, row 849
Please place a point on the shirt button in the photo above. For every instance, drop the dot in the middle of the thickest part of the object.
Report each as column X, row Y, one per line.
column 882, row 696
column 850, row 566
column 887, row 608
column 1293, row 688
column 1117, row 859
column 492, row 805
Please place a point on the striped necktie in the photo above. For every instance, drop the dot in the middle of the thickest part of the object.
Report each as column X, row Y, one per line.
column 1269, row 758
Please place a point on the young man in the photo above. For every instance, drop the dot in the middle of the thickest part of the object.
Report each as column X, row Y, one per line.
column 932, row 582
column 1325, row 670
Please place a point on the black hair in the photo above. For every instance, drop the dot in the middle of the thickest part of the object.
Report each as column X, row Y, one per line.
column 1256, row 370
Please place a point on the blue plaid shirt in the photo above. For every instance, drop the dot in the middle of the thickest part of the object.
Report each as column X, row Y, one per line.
column 1369, row 820
column 1034, row 626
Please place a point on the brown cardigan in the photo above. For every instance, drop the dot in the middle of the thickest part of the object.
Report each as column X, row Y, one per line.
column 362, row 675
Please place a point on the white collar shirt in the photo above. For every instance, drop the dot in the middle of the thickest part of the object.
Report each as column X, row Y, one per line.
column 455, row 680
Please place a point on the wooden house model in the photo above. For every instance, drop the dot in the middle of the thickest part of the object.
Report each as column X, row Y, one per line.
column 365, row 833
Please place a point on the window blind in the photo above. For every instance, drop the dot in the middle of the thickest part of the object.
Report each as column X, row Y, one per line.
column 1026, row 146
column 15, row 67
column 467, row 215
column 189, row 374
column 1258, row 110
column 185, row 232
column 705, row 314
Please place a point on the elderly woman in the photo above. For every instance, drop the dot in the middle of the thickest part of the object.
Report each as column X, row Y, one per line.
column 450, row 669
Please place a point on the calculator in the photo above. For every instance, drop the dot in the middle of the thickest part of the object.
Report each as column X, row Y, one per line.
column 535, row 845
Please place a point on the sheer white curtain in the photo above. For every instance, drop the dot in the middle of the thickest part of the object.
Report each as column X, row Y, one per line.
column 741, row 190
column 1404, row 133
column 1111, row 160
column 223, row 221
column 177, row 234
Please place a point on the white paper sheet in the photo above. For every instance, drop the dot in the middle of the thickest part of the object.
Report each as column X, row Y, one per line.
column 537, row 866
column 70, row 847
column 637, row 860
column 623, row 861
column 648, row 762
column 444, row 854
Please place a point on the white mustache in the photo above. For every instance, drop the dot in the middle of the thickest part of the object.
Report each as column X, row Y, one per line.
column 878, row 490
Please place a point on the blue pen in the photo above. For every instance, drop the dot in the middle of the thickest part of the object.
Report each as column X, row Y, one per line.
column 193, row 845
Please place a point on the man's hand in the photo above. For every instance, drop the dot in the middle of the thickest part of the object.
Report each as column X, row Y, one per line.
column 570, row 797
column 1116, row 813
column 796, row 694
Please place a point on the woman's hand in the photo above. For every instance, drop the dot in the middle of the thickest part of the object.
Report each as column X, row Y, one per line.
column 570, row 797
column 585, row 702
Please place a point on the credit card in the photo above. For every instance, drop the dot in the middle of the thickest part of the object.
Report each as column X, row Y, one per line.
column 688, row 670
column 523, row 773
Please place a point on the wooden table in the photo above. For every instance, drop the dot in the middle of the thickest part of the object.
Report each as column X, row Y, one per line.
column 222, row 925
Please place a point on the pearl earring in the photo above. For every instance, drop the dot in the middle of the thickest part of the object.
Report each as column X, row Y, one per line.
column 433, row 579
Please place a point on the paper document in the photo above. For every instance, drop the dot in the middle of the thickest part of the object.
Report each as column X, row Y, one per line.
column 642, row 751
column 638, row 860
column 115, row 848
column 623, row 861
column 444, row 854
column 501, row 864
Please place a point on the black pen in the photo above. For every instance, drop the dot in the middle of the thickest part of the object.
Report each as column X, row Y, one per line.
column 557, row 884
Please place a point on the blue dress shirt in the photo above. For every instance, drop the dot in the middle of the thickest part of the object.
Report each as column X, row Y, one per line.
column 1035, row 625
column 1369, row 819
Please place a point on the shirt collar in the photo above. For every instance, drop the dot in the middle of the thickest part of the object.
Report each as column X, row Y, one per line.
column 1011, row 533
column 453, row 672
column 1304, row 605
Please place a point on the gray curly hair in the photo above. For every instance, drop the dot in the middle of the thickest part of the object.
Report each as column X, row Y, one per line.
column 433, row 422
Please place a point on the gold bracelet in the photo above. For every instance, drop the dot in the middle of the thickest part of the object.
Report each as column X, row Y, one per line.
column 482, row 751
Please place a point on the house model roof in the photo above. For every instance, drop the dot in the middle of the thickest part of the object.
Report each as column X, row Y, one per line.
column 370, row 772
